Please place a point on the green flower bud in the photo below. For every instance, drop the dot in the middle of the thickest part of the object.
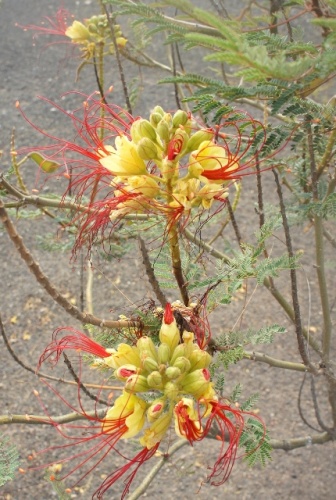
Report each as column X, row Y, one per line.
column 183, row 364
column 159, row 110
column 136, row 383
column 155, row 118
column 150, row 364
column 199, row 359
column 154, row 380
column 172, row 372
column 180, row 118
column 163, row 353
column 147, row 149
column 171, row 390
column 146, row 344
column 196, row 383
column 197, row 138
column 163, row 130
column 142, row 128
column 179, row 352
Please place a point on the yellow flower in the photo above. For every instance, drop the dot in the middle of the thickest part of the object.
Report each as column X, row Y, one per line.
column 210, row 156
column 187, row 420
column 155, row 433
column 142, row 184
column 78, row 32
column 123, row 160
column 127, row 415
column 124, row 355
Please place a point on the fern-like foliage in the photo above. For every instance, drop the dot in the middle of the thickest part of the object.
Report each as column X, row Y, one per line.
column 9, row 460
column 256, row 442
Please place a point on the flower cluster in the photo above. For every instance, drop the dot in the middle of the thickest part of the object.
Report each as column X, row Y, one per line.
column 164, row 386
column 89, row 35
column 166, row 166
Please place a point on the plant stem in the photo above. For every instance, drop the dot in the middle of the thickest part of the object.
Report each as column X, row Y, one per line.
column 177, row 265
column 295, row 297
column 319, row 254
column 267, row 283
column 279, row 363
column 45, row 420
column 42, row 375
column 327, row 154
column 292, row 444
column 117, row 54
column 47, row 285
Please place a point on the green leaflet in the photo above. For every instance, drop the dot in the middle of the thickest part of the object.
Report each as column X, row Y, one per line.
column 9, row 460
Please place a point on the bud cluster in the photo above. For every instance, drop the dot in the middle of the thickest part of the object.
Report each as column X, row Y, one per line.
column 168, row 165
column 159, row 377
column 93, row 32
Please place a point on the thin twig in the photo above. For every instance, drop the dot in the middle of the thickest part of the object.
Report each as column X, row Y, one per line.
column 142, row 488
column 316, row 407
column 295, row 297
column 45, row 420
column 303, row 418
column 117, row 54
column 279, row 363
column 80, row 384
column 319, row 253
column 292, row 444
column 100, row 88
column 49, row 287
column 234, row 222
column 41, row 374
column 150, row 274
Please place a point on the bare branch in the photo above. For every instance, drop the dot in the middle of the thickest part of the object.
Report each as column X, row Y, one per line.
column 43, row 375
column 45, row 420
column 295, row 297
column 49, row 287
column 151, row 275
column 279, row 363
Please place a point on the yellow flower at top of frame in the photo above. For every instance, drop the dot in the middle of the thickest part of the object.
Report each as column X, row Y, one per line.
column 78, row 32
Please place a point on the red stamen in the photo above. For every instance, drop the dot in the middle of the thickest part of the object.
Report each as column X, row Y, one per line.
column 168, row 316
column 78, row 342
